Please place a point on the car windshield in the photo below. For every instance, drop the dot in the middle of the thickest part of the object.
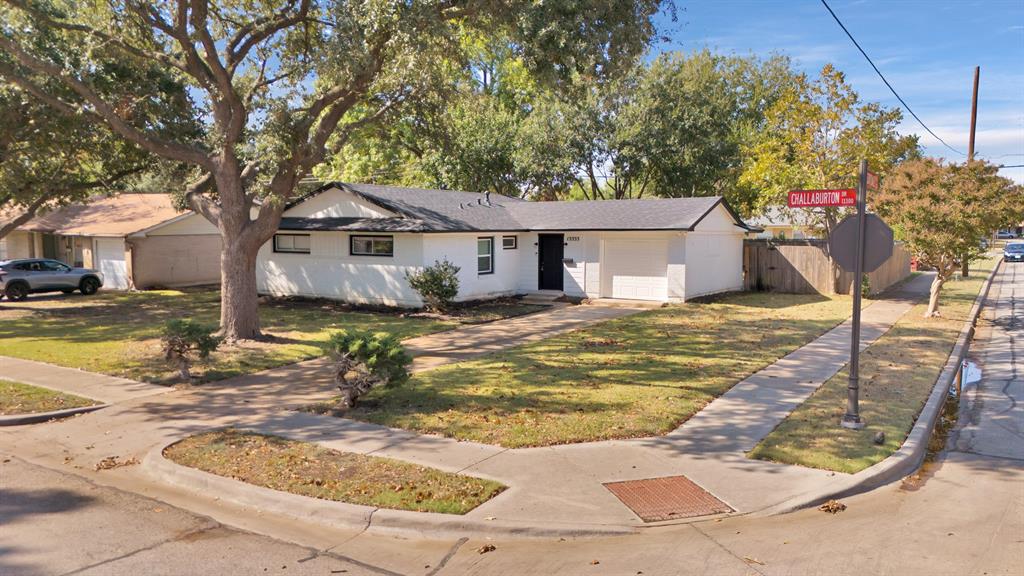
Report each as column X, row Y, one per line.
column 1015, row 248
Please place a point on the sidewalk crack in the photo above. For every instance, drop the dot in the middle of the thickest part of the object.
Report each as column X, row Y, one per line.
column 749, row 565
column 451, row 553
column 153, row 546
column 481, row 461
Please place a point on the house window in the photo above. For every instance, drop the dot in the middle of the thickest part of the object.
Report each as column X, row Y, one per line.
column 509, row 242
column 372, row 245
column 485, row 255
column 291, row 243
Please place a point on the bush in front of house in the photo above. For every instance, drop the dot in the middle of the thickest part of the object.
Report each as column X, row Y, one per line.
column 184, row 341
column 438, row 285
column 364, row 361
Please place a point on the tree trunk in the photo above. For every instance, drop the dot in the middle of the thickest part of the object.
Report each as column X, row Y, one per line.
column 239, row 302
column 183, row 369
column 933, row 297
column 965, row 267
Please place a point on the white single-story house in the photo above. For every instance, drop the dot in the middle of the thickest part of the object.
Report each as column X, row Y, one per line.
column 135, row 240
column 355, row 242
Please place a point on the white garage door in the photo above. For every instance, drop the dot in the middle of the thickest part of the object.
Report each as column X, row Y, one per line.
column 110, row 260
column 636, row 269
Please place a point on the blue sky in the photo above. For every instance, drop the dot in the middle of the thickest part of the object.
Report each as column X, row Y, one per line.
column 926, row 48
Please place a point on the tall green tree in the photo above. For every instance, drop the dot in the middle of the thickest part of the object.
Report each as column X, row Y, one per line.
column 685, row 121
column 281, row 85
column 943, row 211
column 814, row 137
column 669, row 128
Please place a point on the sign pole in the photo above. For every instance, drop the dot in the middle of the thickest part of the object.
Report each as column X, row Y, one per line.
column 852, row 417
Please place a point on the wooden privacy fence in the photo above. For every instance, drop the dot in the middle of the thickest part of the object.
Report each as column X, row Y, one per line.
column 803, row 267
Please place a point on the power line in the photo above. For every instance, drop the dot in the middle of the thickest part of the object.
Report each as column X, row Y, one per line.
column 880, row 75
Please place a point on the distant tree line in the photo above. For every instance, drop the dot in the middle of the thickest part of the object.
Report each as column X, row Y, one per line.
column 680, row 124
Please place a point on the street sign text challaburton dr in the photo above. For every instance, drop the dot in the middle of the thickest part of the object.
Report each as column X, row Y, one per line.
column 822, row 198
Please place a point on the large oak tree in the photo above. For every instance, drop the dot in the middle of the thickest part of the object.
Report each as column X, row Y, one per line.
column 279, row 85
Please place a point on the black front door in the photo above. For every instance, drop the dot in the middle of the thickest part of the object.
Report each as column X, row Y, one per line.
column 551, row 251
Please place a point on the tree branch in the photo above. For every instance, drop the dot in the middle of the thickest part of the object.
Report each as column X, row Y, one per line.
column 259, row 30
column 194, row 197
column 136, row 51
column 146, row 141
column 29, row 213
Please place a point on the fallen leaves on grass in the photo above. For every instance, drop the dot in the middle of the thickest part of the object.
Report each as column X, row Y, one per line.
column 308, row 469
column 111, row 462
column 832, row 506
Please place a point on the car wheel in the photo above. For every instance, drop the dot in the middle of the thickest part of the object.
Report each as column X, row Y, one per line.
column 16, row 292
column 89, row 286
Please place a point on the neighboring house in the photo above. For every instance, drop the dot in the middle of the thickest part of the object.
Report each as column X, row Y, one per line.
column 135, row 240
column 355, row 242
column 777, row 223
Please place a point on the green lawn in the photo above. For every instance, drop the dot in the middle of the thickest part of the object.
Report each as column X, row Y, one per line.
column 19, row 398
column 118, row 332
column 310, row 470
column 635, row 376
column 897, row 374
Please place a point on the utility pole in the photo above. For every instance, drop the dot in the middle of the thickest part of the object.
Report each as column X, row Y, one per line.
column 974, row 115
column 964, row 266
column 852, row 418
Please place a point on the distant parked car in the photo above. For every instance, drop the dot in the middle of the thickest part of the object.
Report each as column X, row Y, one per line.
column 1014, row 252
column 1006, row 235
column 19, row 278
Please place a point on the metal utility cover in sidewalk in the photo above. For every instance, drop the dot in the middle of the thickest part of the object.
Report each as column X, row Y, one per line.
column 668, row 498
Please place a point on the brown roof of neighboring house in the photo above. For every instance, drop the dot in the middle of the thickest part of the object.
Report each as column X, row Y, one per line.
column 118, row 215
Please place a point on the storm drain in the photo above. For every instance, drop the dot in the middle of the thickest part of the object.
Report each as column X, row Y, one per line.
column 668, row 498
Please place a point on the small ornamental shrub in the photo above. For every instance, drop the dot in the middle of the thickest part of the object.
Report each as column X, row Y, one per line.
column 438, row 285
column 364, row 361
column 184, row 341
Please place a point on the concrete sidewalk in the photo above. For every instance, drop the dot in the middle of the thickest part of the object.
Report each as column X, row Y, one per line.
column 557, row 487
column 107, row 389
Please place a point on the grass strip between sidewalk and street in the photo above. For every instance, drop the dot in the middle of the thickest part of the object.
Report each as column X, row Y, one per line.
column 897, row 375
column 307, row 469
column 630, row 377
column 19, row 398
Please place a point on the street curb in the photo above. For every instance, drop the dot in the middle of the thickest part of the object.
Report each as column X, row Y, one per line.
column 910, row 456
column 22, row 419
column 343, row 515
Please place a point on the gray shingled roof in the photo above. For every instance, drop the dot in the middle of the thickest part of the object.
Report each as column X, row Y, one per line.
column 397, row 224
column 423, row 210
column 645, row 214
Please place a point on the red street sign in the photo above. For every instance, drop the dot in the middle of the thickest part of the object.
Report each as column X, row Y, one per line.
column 872, row 181
column 820, row 198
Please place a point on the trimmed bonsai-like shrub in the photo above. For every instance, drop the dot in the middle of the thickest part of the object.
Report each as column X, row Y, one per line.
column 438, row 285
column 364, row 361
column 184, row 341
